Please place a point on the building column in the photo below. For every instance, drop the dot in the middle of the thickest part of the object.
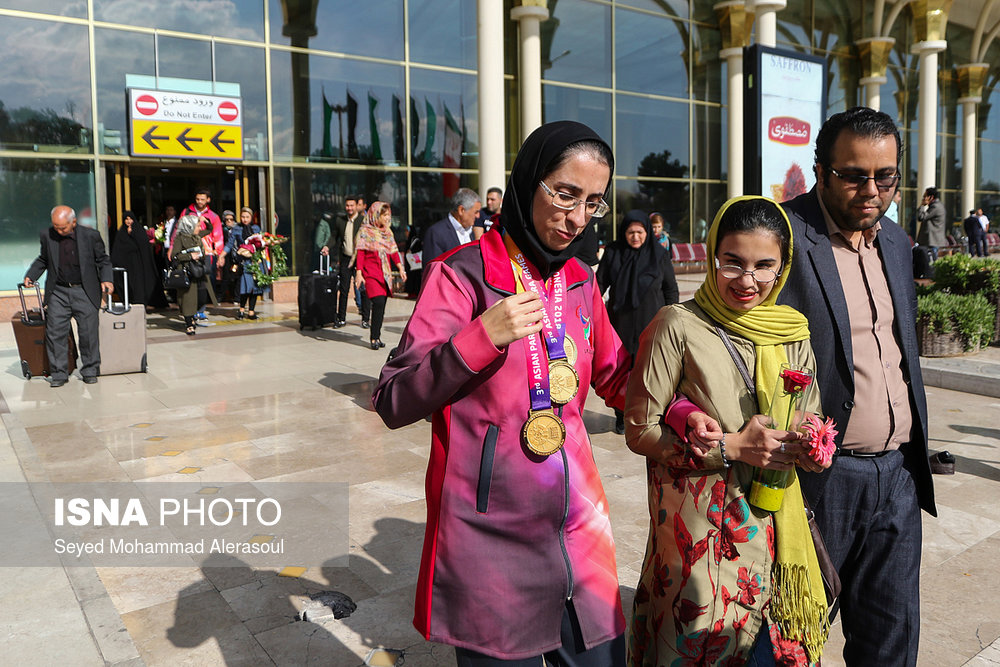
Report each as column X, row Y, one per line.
column 765, row 12
column 971, row 78
column 930, row 19
column 874, row 53
column 734, row 24
column 489, row 33
column 529, row 15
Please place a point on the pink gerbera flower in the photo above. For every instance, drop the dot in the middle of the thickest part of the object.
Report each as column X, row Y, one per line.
column 821, row 434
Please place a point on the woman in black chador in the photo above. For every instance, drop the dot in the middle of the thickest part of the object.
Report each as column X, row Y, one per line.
column 132, row 251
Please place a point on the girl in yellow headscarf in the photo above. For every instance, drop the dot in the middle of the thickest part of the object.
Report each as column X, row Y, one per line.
column 723, row 582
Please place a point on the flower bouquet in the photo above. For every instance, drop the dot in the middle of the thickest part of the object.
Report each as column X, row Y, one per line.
column 160, row 234
column 794, row 385
column 267, row 261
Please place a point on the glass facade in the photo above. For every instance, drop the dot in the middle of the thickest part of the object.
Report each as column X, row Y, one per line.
column 332, row 107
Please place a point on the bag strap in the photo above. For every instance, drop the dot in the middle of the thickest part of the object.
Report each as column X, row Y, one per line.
column 740, row 364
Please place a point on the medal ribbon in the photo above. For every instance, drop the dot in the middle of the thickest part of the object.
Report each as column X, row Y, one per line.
column 552, row 325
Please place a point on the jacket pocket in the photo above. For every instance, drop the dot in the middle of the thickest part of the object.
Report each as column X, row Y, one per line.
column 486, row 469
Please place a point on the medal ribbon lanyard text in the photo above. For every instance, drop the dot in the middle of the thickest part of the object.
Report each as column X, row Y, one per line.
column 552, row 327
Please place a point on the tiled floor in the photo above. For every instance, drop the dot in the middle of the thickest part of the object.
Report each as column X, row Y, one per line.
column 265, row 402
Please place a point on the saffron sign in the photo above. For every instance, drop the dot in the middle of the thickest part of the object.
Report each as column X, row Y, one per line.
column 786, row 97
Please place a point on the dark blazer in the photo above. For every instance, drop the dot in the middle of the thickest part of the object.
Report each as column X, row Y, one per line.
column 337, row 231
column 95, row 265
column 439, row 239
column 814, row 289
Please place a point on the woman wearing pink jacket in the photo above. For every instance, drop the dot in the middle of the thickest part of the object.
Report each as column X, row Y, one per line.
column 504, row 343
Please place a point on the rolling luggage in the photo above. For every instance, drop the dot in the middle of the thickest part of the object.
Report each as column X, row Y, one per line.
column 122, row 335
column 29, row 332
column 318, row 296
column 922, row 259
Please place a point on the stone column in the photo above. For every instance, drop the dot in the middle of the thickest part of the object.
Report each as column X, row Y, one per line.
column 529, row 14
column 930, row 18
column 734, row 24
column 971, row 78
column 492, row 146
column 765, row 12
column 874, row 53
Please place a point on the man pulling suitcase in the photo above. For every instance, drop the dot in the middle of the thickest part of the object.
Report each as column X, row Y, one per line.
column 78, row 271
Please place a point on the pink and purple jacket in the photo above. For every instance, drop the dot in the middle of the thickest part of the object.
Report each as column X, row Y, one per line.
column 510, row 536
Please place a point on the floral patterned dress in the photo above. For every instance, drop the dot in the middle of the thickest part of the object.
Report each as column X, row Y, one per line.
column 705, row 585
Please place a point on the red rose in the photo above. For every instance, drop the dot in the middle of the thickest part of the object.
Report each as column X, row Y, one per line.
column 796, row 381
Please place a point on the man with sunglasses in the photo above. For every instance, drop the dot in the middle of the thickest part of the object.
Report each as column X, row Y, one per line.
column 852, row 277
column 931, row 217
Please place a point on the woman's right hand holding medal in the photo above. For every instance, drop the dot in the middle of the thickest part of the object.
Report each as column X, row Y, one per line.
column 513, row 318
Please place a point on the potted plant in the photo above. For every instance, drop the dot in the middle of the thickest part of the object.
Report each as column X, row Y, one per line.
column 951, row 324
column 963, row 274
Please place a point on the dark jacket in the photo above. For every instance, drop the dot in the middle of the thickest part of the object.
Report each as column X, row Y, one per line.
column 95, row 265
column 816, row 292
column 630, row 322
column 439, row 239
column 337, row 231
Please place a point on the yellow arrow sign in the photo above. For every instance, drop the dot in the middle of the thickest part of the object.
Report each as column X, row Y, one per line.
column 157, row 138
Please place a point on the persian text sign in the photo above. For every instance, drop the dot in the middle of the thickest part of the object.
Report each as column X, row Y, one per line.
column 185, row 125
column 791, row 105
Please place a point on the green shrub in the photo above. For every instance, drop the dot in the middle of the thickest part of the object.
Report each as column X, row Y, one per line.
column 964, row 274
column 971, row 316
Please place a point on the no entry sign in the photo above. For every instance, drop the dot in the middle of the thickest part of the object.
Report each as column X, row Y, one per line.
column 186, row 125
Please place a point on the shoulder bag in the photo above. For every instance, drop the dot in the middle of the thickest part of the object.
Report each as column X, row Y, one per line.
column 176, row 277
column 831, row 580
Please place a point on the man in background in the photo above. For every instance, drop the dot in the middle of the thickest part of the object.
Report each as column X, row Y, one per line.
column 456, row 228
column 931, row 214
column 489, row 212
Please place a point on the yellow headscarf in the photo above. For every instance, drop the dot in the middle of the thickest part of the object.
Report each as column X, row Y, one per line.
column 798, row 601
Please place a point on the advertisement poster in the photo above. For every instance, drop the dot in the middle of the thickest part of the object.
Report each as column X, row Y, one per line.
column 791, row 104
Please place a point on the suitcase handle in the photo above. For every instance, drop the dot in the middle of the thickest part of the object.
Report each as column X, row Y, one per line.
column 126, row 306
column 24, row 306
column 328, row 269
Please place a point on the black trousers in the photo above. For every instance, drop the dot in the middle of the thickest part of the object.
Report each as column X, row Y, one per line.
column 346, row 278
column 870, row 519
column 571, row 654
column 64, row 304
column 377, row 315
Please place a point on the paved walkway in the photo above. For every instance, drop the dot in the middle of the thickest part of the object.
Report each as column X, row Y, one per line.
column 263, row 402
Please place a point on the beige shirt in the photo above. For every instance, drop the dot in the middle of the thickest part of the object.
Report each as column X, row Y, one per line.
column 349, row 234
column 881, row 416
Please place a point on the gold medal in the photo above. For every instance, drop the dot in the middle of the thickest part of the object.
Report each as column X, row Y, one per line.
column 570, row 348
column 563, row 382
column 544, row 433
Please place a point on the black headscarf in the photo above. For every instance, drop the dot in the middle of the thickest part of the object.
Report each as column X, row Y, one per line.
column 537, row 153
column 632, row 272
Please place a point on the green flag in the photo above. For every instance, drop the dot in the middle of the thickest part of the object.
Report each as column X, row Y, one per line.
column 431, row 131
column 327, row 118
column 373, row 127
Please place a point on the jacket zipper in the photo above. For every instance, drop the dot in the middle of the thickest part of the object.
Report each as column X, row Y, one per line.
column 565, row 516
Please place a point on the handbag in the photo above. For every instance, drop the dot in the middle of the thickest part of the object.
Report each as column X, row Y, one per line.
column 176, row 277
column 831, row 580
column 196, row 269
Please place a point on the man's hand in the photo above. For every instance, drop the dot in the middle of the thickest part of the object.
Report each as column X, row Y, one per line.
column 513, row 318
column 107, row 288
column 28, row 282
column 324, row 251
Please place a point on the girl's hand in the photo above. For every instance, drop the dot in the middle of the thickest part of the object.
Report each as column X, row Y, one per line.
column 703, row 433
column 359, row 279
column 764, row 447
column 513, row 318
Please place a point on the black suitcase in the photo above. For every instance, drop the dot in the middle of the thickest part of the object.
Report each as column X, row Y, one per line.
column 923, row 256
column 29, row 332
column 318, row 296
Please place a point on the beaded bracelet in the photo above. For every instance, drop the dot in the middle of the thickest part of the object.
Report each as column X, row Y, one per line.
column 722, row 450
